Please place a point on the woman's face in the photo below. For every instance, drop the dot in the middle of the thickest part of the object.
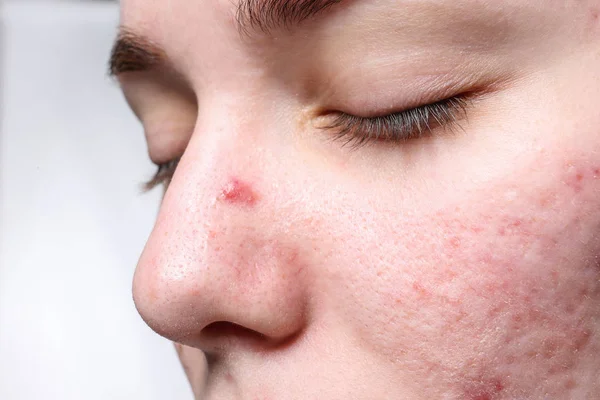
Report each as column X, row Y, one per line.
column 395, row 199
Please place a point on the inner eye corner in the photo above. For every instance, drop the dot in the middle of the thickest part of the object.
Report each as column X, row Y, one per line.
column 318, row 119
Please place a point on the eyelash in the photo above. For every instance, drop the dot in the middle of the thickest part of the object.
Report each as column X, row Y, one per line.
column 401, row 126
column 163, row 175
column 359, row 131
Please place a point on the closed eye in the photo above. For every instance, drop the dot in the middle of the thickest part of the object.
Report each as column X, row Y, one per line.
column 358, row 131
column 401, row 126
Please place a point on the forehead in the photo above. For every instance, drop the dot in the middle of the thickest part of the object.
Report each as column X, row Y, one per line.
column 228, row 8
column 191, row 15
column 194, row 32
column 182, row 20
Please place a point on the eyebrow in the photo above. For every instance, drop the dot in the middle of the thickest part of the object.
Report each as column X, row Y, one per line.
column 135, row 53
column 266, row 15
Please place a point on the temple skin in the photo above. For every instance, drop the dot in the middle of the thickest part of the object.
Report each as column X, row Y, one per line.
column 461, row 265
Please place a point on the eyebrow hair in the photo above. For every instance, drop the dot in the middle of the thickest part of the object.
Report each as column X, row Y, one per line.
column 134, row 53
column 266, row 15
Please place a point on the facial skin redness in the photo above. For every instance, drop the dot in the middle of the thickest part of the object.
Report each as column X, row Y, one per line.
column 394, row 199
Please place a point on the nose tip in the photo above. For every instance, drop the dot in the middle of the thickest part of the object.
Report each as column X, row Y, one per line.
column 236, row 301
column 211, row 276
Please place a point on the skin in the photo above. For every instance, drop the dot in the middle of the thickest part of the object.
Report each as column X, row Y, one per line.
column 461, row 265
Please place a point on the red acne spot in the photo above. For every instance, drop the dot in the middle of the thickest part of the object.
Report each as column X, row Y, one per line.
column 238, row 192
column 512, row 226
column 454, row 242
column 476, row 229
column 421, row 291
column 581, row 340
column 575, row 181
column 485, row 390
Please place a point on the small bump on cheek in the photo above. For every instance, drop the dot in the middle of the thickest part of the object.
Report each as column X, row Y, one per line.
column 420, row 291
column 484, row 390
column 513, row 226
column 578, row 178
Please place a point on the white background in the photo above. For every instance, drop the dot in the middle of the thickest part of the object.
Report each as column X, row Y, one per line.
column 72, row 219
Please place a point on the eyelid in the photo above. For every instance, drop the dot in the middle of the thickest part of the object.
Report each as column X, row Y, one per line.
column 358, row 131
column 401, row 126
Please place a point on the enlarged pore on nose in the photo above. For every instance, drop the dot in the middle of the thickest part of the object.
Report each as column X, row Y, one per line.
column 238, row 192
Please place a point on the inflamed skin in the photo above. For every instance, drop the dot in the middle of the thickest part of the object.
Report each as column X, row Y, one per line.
column 395, row 199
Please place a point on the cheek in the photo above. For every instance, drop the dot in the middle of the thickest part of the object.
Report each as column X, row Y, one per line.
column 506, row 276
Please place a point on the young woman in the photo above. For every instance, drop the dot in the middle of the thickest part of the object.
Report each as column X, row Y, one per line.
column 392, row 199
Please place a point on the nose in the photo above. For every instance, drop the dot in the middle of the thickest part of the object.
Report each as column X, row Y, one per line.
column 222, row 267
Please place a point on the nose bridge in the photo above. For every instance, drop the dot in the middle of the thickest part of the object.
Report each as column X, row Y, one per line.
column 217, row 252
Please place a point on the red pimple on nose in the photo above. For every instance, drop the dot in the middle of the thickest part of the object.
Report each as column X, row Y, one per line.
column 238, row 192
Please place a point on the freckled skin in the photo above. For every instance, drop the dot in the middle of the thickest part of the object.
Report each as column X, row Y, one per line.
column 461, row 266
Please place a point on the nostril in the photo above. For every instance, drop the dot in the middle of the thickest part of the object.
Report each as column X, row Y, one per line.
column 226, row 331
column 221, row 337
